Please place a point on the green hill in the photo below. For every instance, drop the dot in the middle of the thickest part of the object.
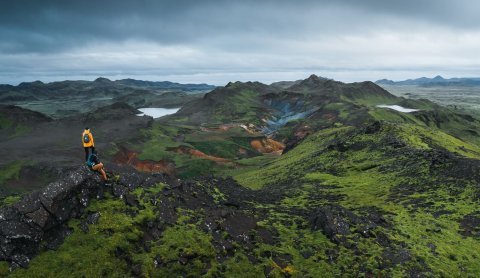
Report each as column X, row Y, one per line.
column 359, row 191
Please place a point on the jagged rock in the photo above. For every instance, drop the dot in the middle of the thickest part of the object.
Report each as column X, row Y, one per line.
column 470, row 225
column 40, row 216
column 131, row 200
column 30, row 203
column 333, row 220
column 373, row 127
column 92, row 218
column 131, row 180
column 119, row 191
column 396, row 255
column 55, row 237
column 54, row 195
column 20, row 261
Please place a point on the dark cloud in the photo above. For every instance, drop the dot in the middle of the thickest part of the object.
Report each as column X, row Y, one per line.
column 48, row 26
column 132, row 37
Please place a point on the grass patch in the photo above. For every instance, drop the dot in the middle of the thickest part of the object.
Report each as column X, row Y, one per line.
column 11, row 171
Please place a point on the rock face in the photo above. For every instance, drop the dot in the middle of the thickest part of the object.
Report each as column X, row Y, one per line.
column 25, row 224
column 41, row 216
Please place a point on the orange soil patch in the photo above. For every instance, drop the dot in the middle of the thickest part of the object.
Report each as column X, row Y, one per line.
column 200, row 154
column 242, row 151
column 267, row 145
column 128, row 157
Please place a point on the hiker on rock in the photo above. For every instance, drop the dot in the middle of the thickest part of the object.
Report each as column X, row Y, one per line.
column 95, row 165
column 87, row 140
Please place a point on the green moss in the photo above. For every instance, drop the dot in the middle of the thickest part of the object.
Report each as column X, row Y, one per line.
column 425, row 138
column 224, row 149
column 282, row 169
column 294, row 242
column 93, row 254
column 4, row 269
column 90, row 254
column 239, row 266
column 5, row 123
column 183, row 241
column 239, row 107
column 11, row 171
column 160, row 138
column 195, row 167
column 20, row 130
column 10, row 200
column 365, row 174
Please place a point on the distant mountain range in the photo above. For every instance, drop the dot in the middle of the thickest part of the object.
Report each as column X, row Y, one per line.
column 66, row 98
column 102, row 82
column 436, row 81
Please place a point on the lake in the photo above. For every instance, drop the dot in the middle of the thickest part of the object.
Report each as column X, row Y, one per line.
column 157, row 112
column 398, row 108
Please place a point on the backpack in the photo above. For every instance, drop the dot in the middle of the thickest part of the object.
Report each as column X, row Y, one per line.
column 86, row 138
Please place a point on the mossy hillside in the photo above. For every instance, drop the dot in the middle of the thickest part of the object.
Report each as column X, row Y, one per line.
column 111, row 246
column 160, row 145
column 234, row 103
column 247, row 165
column 392, row 220
column 138, row 241
column 158, row 139
column 225, row 144
column 91, row 254
column 164, row 142
column 361, row 170
column 428, row 138
column 239, row 107
column 431, row 115
column 280, row 169
column 370, row 98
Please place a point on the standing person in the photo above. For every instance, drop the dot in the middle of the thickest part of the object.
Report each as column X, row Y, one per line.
column 87, row 140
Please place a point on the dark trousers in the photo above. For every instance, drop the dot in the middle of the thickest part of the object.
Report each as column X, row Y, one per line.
column 87, row 153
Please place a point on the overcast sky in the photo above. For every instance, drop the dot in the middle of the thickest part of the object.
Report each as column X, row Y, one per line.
column 219, row 41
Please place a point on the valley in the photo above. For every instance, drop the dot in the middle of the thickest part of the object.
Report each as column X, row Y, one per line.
column 460, row 98
column 312, row 178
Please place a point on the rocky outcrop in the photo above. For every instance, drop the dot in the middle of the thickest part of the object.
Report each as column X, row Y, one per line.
column 25, row 224
column 41, row 216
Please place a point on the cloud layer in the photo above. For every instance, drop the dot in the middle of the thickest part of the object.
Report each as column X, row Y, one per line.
column 218, row 41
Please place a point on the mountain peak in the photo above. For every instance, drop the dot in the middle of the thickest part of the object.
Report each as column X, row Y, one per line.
column 34, row 83
column 313, row 77
column 102, row 80
column 313, row 80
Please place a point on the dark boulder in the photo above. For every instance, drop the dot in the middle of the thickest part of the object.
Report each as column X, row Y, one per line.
column 40, row 216
column 334, row 221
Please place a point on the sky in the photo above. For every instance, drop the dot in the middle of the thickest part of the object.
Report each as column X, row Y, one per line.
column 214, row 41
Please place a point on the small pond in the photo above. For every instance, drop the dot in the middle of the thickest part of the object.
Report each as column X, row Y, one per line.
column 157, row 112
column 398, row 108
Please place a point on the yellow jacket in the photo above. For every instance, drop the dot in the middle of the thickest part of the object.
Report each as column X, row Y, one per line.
column 90, row 143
